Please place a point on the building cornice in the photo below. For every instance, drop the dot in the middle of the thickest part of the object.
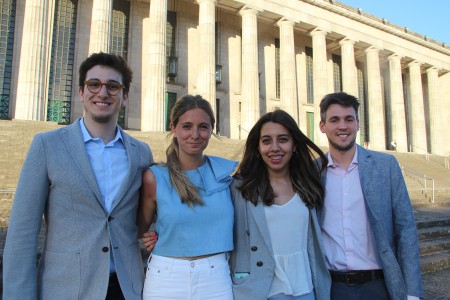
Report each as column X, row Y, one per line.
column 358, row 15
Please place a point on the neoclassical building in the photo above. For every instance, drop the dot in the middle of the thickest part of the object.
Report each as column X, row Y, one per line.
column 246, row 57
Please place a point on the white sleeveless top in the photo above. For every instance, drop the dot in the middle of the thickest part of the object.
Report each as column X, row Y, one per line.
column 288, row 229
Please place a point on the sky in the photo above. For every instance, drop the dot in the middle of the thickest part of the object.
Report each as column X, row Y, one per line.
column 430, row 18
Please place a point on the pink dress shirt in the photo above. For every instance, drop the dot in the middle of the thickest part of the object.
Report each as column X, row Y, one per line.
column 346, row 231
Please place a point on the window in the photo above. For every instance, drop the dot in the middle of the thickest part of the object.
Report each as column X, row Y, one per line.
column 171, row 59
column 337, row 72
column 119, row 38
column 61, row 64
column 7, row 23
column 363, row 128
column 277, row 69
column 309, row 75
column 171, row 98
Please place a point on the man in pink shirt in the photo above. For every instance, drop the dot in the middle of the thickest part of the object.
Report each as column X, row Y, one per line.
column 367, row 222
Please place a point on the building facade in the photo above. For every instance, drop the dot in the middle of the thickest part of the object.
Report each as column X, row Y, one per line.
column 246, row 57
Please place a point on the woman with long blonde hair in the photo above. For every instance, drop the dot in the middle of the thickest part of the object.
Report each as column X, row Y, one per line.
column 191, row 197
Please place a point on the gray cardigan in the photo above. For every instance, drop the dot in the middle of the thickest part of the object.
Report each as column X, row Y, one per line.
column 253, row 253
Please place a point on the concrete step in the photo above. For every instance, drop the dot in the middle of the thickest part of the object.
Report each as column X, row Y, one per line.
column 435, row 245
column 444, row 202
column 427, row 218
column 435, row 261
column 433, row 231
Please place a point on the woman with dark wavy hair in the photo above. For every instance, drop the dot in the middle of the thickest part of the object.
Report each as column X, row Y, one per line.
column 278, row 249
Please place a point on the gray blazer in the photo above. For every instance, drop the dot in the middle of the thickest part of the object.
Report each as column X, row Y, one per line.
column 253, row 252
column 392, row 220
column 57, row 181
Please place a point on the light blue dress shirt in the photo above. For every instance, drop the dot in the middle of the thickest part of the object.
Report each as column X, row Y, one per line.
column 110, row 165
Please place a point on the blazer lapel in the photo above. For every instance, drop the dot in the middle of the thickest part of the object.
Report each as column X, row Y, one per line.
column 72, row 137
column 323, row 180
column 259, row 217
column 133, row 160
column 365, row 173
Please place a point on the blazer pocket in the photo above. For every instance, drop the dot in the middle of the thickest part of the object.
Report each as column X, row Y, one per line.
column 56, row 269
column 240, row 278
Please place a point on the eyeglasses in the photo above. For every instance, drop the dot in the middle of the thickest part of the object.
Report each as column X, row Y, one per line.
column 112, row 87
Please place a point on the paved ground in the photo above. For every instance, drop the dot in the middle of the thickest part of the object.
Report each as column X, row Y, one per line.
column 436, row 285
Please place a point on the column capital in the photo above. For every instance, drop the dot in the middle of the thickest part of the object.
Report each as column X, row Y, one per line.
column 414, row 63
column 347, row 41
column 394, row 57
column 210, row 1
column 432, row 69
column 317, row 32
column 285, row 22
column 372, row 49
column 247, row 10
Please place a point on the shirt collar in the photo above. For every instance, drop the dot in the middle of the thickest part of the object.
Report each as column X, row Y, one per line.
column 354, row 160
column 87, row 136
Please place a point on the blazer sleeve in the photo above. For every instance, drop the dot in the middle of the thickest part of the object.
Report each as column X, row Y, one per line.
column 19, row 258
column 405, row 232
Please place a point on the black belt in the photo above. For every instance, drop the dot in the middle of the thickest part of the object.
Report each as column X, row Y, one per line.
column 356, row 277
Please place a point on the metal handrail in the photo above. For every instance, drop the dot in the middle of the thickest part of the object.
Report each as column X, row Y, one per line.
column 242, row 129
column 427, row 155
column 424, row 177
column 438, row 159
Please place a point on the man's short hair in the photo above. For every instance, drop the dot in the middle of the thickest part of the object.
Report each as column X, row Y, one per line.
column 340, row 98
column 110, row 60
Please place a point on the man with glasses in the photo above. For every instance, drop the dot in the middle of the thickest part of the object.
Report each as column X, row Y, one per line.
column 84, row 179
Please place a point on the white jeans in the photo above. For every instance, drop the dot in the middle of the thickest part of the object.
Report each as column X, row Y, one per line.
column 178, row 279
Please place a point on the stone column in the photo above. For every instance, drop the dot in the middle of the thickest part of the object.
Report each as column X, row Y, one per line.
column 152, row 107
column 288, row 78
column 377, row 133
column 320, row 79
column 417, row 112
column 100, row 26
column 437, row 127
column 250, row 76
column 32, row 89
column 349, row 78
column 206, row 80
column 397, row 102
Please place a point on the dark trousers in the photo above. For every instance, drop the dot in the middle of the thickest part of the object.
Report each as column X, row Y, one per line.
column 371, row 290
column 114, row 290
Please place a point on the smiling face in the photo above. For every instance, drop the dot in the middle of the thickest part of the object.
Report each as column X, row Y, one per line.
column 101, row 107
column 276, row 146
column 192, row 131
column 340, row 127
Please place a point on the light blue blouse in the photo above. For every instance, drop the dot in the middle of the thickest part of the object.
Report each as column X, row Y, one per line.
column 203, row 229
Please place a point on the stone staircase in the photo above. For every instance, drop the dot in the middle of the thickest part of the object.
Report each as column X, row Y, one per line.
column 15, row 139
column 220, row 146
column 434, row 241
column 420, row 188
column 434, row 236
